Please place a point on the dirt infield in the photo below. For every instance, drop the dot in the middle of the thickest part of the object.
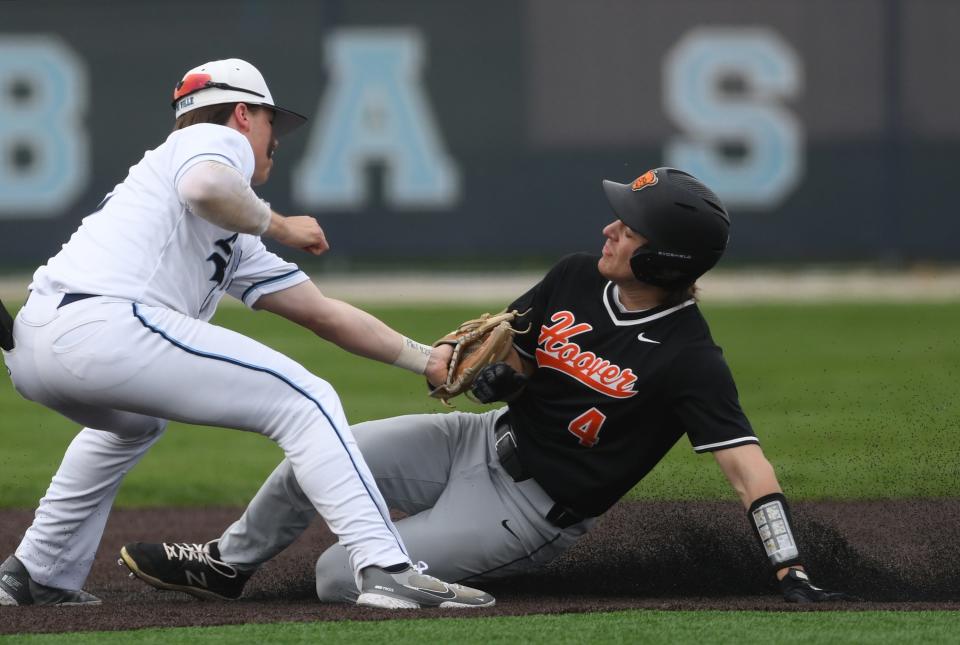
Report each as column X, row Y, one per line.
column 895, row 555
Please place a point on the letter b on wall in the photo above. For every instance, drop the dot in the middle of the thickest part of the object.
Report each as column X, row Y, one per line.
column 44, row 150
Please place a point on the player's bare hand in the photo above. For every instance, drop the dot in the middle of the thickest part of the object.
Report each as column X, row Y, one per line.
column 437, row 365
column 299, row 232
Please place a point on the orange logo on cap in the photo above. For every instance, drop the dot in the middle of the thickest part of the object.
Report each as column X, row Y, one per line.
column 648, row 178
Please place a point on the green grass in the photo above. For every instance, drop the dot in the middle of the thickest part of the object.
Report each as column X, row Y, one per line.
column 615, row 627
column 850, row 401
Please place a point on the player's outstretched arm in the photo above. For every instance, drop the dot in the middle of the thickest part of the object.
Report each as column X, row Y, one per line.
column 353, row 329
column 753, row 477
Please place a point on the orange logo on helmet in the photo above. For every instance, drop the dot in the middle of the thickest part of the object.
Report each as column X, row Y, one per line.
column 648, row 178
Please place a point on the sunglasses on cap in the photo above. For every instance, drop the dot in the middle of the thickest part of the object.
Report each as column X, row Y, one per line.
column 196, row 82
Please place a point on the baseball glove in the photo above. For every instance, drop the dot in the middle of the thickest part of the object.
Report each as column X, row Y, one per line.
column 476, row 344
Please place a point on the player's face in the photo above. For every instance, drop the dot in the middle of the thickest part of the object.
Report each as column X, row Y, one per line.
column 264, row 144
column 619, row 246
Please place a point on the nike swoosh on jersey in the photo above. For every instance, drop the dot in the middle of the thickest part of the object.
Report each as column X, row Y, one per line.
column 643, row 338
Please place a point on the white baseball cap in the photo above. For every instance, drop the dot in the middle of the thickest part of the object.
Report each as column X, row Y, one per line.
column 230, row 81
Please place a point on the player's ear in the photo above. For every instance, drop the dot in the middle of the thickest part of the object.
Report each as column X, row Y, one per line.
column 241, row 117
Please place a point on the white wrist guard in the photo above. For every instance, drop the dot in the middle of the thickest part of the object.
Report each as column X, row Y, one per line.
column 770, row 518
column 413, row 356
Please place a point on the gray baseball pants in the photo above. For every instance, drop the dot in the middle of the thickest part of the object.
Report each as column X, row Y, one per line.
column 466, row 517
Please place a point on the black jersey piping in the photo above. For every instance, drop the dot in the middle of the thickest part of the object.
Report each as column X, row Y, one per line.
column 256, row 285
column 289, row 383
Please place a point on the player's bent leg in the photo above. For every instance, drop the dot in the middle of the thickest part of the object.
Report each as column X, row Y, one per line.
column 335, row 580
column 413, row 456
column 409, row 456
column 59, row 547
column 483, row 526
column 276, row 516
column 271, row 394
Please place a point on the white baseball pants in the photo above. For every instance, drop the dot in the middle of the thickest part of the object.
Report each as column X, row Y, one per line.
column 123, row 369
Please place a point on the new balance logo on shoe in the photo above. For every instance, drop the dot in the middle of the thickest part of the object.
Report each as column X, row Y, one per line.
column 195, row 569
column 193, row 578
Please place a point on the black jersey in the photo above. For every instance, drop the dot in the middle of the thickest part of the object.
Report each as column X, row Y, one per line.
column 614, row 390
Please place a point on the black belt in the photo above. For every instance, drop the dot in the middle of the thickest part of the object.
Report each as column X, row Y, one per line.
column 70, row 298
column 508, row 453
column 6, row 328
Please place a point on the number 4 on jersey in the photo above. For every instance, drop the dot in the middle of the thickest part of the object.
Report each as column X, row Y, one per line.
column 586, row 427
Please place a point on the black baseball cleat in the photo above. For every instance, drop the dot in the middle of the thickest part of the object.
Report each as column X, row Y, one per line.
column 412, row 589
column 195, row 569
column 18, row 588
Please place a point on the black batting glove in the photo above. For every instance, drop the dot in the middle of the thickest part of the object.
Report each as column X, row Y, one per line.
column 497, row 382
column 796, row 587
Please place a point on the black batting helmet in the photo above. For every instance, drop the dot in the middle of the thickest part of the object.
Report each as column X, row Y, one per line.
column 685, row 223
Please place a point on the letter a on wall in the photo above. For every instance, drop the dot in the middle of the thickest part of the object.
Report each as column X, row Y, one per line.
column 374, row 110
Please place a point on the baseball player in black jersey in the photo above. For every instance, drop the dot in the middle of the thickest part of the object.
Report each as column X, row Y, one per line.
column 618, row 364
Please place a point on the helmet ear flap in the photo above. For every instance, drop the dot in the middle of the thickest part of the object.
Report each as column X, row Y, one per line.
column 639, row 262
column 661, row 269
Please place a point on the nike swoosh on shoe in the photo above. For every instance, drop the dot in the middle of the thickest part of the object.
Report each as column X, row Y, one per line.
column 449, row 594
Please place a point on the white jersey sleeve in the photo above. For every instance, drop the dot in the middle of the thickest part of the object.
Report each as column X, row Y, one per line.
column 232, row 150
column 261, row 272
column 143, row 243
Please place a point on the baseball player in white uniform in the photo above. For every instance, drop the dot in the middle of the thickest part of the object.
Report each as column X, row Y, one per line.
column 115, row 336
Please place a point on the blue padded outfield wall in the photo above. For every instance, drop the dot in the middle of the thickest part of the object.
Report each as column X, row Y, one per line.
column 831, row 128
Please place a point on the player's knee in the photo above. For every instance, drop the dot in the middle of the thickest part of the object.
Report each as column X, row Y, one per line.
column 142, row 430
column 335, row 581
column 316, row 388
